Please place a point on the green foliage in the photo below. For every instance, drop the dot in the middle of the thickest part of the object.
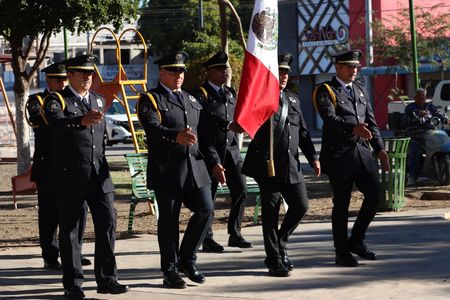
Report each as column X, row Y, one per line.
column 392, row 38
column 166, row 24
column 202, row 48
column 174, row 25
column 19, row 18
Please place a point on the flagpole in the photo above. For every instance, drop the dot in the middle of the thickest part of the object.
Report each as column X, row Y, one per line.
column 270, row 162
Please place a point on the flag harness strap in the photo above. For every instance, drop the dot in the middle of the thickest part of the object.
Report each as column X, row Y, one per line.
column 278, row 130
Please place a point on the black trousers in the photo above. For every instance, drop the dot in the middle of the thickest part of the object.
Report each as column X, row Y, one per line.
column 199, row 201
column 342, row 185
column 70, row 210
column 276, row 238
column 48, row 223
column 236, row 183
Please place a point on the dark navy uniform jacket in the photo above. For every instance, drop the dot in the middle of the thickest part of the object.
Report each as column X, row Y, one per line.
column 169, row 163
column 286, row 151
column 341, row 149
column 214, row 136
column 78, row 152
column 42, row 138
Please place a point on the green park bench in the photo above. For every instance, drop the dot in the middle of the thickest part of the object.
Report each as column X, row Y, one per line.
column 137, row 164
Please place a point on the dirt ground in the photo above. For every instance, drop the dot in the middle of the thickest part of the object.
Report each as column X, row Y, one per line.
column 19, row 226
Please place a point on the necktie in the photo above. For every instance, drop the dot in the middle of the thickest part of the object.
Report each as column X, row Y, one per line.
column 179, row 97
column 349, row 90
column 222, row 95
column 86, row 103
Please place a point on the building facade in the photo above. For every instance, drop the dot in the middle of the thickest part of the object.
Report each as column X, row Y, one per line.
column 314, row 30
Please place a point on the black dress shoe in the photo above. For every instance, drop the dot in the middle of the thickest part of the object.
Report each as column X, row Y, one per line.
column 346, row 259
column 210, row 245
column 192, row 273
column 172, row 279
column 279, row 270
column 52, row 265
column 285, row 260
column 75, row 292
column 361, row 250
column 85, row 261
column 112, row 287
column 236, row 240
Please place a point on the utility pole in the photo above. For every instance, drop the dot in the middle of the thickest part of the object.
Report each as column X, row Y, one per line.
column 412, row 19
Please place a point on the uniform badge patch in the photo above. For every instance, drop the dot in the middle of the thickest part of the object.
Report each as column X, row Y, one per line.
column 52, row 106
column 145, row 108
column 34, row 106
column 99, row 103
column 192, row 98
column 292, row 99
column 323, row 99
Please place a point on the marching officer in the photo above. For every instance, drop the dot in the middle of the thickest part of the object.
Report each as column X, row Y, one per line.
column 348, row 127
column 176, row 169
column 289, row 134
column 80, row 173
column 218, row 139
column 56, row 79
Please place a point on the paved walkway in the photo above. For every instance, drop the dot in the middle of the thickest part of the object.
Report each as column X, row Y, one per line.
column 413, row 250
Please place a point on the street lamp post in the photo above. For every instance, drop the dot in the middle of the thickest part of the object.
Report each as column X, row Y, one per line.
column 412, row 19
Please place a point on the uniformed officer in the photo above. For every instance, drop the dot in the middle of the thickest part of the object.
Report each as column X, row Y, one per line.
column 218, row 139
column 56, row 79
column 80, row 173
column 176, row 169
column 348, row 128
column 289, row 133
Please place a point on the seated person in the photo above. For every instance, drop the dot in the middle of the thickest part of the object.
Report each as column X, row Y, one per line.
column 417, row 119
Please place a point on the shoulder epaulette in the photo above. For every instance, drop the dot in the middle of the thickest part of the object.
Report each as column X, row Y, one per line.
column 330, row 92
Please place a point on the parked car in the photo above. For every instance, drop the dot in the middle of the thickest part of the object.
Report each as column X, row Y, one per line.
column 117, row 126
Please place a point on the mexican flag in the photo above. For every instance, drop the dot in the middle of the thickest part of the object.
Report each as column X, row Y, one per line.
column 259, row 90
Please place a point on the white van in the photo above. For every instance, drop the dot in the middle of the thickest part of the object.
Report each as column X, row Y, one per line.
column 441, row 97
column 117, row 126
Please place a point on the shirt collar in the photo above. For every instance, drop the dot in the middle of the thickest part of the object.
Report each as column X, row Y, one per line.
column 168, row 89
column 78, row 95
column 215, row 86
column 344, row 85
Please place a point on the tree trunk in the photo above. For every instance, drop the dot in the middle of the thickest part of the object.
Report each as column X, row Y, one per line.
column 21, row 91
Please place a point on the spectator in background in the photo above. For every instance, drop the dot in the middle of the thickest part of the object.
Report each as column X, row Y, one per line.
column 418, row 122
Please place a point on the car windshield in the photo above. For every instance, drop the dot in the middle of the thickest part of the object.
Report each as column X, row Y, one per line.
column 117, row 109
